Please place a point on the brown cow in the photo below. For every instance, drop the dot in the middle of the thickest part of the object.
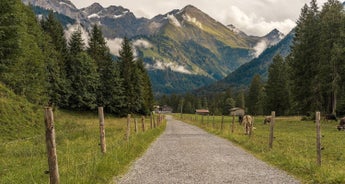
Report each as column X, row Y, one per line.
column 267, row 119
column 248, row 124
column 341, row 125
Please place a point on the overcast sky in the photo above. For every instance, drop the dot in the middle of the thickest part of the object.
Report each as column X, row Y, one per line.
column 254, row 17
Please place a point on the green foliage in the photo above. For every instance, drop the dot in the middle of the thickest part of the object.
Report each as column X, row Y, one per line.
column 110, row 93
column 277, row 89
column 138, row 94
column 84, row 82
column 254, row 102
column 317, row 54
column 22, row 60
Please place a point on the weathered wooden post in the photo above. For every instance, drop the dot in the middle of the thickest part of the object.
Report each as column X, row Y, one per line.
column 101, row 129
column 128, row 127
column 222, row 123
column 51, row 146
column 143, row 123
column 233, row 124
column 151, row 120
column 273, row 115
column 318, row 138
column 213, row 122
column 202, row 119
column 154, row 122
column 135, row 125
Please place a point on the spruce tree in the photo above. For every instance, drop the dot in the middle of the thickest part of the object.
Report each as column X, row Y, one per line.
column 331, row 52
column 127, row 73
column 277, row 90
column 110, row 93
column 303, row 62
column 56, row 57
column 82, row 72
column 253, row 101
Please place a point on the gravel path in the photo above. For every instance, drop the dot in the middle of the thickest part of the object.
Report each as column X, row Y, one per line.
column 187, row 154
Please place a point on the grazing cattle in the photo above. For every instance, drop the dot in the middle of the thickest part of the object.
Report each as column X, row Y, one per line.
column 341, row 125
column 267, row 119
column 331, row 117
column 247, row 124
column 240, row 119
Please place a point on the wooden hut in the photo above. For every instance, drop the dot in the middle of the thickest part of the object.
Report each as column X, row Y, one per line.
column 202, row 111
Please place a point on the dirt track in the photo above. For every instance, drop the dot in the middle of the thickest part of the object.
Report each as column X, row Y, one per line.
column 187, row 154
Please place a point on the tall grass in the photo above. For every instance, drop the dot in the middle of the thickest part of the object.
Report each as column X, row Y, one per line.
column 79, row 156
column 294, row 147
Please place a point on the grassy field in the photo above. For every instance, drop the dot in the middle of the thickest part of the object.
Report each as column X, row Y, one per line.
column 294, row 147
column 79, row 157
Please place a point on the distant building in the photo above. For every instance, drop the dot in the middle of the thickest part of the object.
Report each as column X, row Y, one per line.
column 202, row 111
column 163, row 109
column 236, row 111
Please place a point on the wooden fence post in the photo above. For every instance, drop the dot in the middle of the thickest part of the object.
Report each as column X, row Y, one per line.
column 318, row 138
column 135, row 125
column 151, row 120
column 233, row 124
column 222, row 123
column 51, row 146
column 213, row 122
column 273, row 114
column 143, row 123
column 128, row 127
column 202, row 119
column 101, row 129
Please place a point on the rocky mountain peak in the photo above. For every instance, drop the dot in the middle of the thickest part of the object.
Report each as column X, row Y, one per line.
column 94, row 8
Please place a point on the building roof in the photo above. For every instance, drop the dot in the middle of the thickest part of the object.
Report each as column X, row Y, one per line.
column 202, row 111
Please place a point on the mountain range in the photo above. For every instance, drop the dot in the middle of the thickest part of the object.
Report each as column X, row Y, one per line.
column 183, row 49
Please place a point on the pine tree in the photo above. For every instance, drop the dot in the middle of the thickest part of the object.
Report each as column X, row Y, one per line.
column 110, row 93
column 82, row 72
column 303, row 62
column 277, row 91
column 253, row 100
column 331, row 52
column 127, row 73
column 148, row 98
column 56, row 56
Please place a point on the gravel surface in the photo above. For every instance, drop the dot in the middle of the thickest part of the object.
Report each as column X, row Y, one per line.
column 187, row 154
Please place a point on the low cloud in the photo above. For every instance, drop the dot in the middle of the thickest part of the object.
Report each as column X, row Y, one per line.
column 115, row 45
column 159, row 65
column 142, row 43
column 253, row 24
column 72, row 28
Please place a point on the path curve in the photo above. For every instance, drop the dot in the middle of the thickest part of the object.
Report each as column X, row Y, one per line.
column 187, row 154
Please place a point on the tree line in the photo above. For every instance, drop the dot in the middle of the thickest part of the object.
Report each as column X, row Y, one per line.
column 311, row 78
column 39, row 63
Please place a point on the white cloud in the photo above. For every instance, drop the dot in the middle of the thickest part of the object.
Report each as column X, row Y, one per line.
column 159, row 65
column 259, row 16
column 260, row 47
column 142, row 43
column 75, row 27
column 174, row 21
column 114, row 45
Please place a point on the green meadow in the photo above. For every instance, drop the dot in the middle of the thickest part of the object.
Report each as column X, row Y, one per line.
column 24, row 160
column 294, row 146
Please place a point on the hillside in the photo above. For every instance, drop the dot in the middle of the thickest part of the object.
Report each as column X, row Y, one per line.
column 242, row 77
column 19, row 118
